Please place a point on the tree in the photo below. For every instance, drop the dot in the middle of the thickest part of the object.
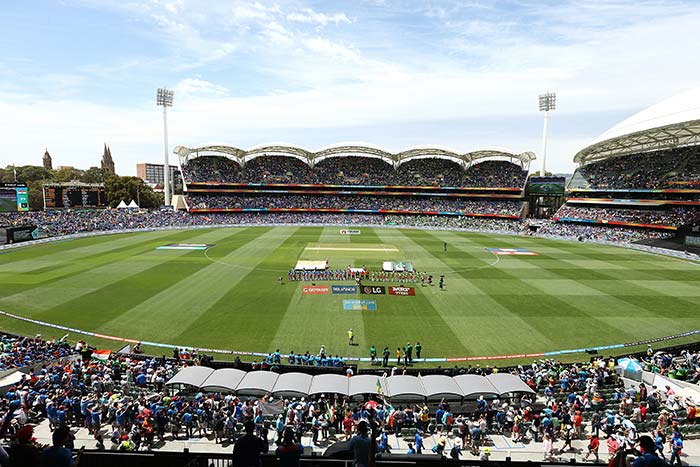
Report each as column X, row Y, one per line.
column 67, row 174
column 131, row 188
column 94, row 175
column 30, row 173
column 36, row 194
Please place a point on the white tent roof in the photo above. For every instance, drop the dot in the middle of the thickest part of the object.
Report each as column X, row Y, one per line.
column 133, row 204
column 121, row 205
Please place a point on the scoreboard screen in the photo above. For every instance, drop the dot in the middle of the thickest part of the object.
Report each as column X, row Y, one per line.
column 14, row 197
column 68, row 197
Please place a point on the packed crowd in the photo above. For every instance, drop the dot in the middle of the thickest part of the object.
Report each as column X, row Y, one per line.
column 18, row 352
column 429, row 172
column 505, row 207
column 212, row 169
column 56, row 223
column 277, row 169
column 654, row 170
column 354, row 170
column 495, row 174
column 598, row 232
column 122, row 403
column 673, row 216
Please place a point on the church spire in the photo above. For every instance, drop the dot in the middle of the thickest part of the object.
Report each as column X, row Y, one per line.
column 47, row 162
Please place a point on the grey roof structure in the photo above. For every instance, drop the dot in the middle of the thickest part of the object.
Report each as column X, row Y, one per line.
column 506, row 383
column 475, row 385
column 191, row 376
column 292, row 385
column 329, row 384
column 441, row 386
column 404, row 387
column 257, row 382
column 366, row 384
column 223, row 380
column 394, row 387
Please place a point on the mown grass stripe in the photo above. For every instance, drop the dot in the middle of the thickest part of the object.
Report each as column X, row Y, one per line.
column 95, row 275
column 251, row 310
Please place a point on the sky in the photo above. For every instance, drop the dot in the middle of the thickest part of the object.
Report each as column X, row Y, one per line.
column 75, row 74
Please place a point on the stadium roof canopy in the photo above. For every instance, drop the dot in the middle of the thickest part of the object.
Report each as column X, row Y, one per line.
column 349, row 149
column 669, row 124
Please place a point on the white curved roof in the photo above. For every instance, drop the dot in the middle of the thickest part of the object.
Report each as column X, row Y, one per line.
column 342, row 149
column 671, row 123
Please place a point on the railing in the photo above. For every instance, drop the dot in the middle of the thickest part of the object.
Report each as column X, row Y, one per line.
column 186, row 459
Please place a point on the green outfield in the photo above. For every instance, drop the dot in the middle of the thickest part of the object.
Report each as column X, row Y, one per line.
column 571, row 295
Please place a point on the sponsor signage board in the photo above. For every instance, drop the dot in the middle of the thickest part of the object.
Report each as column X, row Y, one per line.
column 185, row 246
column 402, row 291
column 349, row 232
column 316, row 290
column 343, row 289
column 373, row 290
column 511, row 251
column 362, row 305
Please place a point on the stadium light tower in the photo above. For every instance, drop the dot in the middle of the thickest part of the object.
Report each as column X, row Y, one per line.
column 548, row 101
column 164, row 98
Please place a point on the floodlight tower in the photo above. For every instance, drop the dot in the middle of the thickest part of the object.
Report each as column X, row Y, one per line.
column 164, row 98
column 548, row 101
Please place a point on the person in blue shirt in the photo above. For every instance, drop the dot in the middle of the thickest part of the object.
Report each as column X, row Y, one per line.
column 659, row 442
column 383, row 445
column 360, row 445
column 410, row 449
column 676, row 448
column 648, row 457
column 419, row 442
column 188, row 422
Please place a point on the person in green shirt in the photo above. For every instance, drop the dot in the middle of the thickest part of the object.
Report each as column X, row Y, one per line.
column 419, row 348
column 372, row 354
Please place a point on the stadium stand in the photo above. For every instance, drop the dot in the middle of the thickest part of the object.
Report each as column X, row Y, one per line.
column 277, row 169
column 352, row 170
column 495, row 174
column 411, row 204
column 673, row 216
column 127, row 403
column 212, row 169
column 429, row 171
column 355, row 170
column 673, row 168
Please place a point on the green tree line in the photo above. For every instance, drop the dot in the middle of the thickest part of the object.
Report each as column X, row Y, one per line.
column 117, row 188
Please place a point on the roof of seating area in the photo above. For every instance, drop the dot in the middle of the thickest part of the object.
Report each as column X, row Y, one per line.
column 672, row 123
column 348, row 149
column 298, row 384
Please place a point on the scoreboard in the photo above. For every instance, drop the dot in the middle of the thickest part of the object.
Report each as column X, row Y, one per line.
column 14, row 197
column 78, row 196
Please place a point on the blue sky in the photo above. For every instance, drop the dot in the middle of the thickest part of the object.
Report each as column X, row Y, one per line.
column 460, row 74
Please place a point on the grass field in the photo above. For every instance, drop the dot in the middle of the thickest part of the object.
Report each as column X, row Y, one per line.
column 571, row 295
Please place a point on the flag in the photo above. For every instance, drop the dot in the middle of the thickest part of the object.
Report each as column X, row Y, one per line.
column 330, row 414
column 101, row 355
column 379, row 386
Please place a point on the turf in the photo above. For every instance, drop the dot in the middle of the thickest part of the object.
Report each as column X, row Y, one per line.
column 571, row 295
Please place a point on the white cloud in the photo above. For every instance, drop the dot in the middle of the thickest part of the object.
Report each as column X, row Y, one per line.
column 307, row 15
column 196, row 87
